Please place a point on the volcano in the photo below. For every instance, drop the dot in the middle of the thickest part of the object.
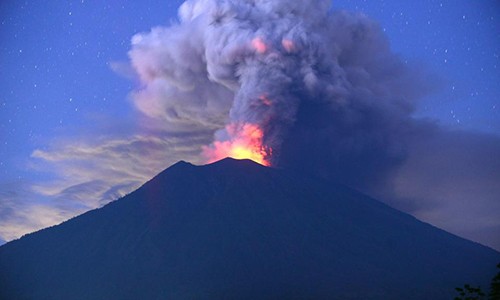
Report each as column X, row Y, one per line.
column 237, row 230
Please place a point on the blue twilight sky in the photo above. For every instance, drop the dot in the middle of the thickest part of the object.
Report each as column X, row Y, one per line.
column 60, row 60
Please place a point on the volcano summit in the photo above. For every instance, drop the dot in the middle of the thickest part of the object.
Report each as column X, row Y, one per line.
column 238, row 230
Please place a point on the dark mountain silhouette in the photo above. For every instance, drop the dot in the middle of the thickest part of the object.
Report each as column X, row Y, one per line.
column 238, row 230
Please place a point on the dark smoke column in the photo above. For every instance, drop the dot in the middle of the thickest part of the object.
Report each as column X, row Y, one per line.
column 257, row 74
column 268, row 54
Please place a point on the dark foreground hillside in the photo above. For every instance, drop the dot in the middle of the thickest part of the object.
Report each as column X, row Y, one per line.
column 237, row 230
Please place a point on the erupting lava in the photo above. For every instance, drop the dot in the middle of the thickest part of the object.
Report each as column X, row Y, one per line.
column 246, row 142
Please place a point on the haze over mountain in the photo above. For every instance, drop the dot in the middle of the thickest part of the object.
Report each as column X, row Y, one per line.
column 238, row 230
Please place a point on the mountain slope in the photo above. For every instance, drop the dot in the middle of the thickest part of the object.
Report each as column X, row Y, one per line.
column 235, row 229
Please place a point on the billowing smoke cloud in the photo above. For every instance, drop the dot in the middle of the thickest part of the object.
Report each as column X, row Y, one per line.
column 241, row 63
column 323, row 89
column 297, row 85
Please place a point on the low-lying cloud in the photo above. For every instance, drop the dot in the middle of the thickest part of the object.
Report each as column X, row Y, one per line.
column 88, row 174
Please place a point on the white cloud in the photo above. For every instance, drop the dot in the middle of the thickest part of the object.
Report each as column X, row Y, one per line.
column 90, row 173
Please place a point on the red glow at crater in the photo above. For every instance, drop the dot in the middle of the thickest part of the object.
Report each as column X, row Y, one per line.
column 246, row 142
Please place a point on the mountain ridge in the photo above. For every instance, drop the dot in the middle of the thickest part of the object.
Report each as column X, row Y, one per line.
column 236, row 229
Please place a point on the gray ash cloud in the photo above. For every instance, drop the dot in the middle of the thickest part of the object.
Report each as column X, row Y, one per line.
column 330, row 96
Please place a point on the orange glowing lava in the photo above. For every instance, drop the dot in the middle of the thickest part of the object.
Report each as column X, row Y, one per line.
column 259, row 45
column 246, row 143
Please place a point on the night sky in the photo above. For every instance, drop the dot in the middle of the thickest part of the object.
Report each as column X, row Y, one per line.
column 71, row 139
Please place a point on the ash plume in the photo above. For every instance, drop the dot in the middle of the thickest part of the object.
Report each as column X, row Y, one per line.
column 306, row 77
column 301, row 86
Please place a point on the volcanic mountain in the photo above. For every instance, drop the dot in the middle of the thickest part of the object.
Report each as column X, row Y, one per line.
column 239, row 230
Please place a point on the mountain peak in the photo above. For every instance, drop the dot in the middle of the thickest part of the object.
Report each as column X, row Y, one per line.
column 235, row 229
column 225, row 163
column 181, row 164
column 234, row 161
column 230, row 163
